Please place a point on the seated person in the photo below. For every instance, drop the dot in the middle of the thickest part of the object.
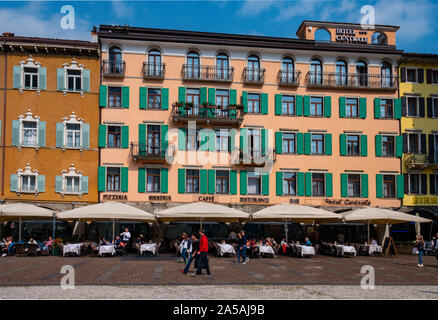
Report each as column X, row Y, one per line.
column 32, row 241
column 118, row 241
column 307, row 242
column 374, row 242
column 223, row 242
column 48, row 244
column 139, row 241
column 268, row 242
column 103, row 242
column 6, row 244
column 283, row 246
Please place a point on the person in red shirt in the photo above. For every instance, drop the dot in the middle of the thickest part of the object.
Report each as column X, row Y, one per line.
column 203, row 251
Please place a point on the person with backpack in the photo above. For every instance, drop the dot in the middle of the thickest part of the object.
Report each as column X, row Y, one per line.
column 420, row 247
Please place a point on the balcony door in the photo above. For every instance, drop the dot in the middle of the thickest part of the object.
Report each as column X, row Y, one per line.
column 193, row 68
column 386, row 75
column 154, row 63
column 287, row 70
column 153, row 135
column 362, row 73
column 254, row 143
column 222, row 67
column 341, row 73
column 253, row 68
column 315, row 72
column 115, row 60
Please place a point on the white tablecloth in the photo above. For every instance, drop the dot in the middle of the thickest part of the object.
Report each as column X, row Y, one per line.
column 346, row 249
column 305, row 250
column 373, row 248
column 266, row 249
column 151, row 247
column 225, row 248
column 107, row 249
column 72, row 248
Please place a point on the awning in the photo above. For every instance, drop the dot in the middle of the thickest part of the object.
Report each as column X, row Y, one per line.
column 380, row 216
column 107, row 211
column 295, row 213
column 25, row 211
column 202, row 211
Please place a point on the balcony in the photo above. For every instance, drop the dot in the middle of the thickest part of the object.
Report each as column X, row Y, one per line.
column 184, row 112
column 148, row 153
column 207, row 73
column 420, row 161
column 253, row 76
column 255, row 158
column 289, row 78
column 153, row 70
column 351, row 81
column 113, row 68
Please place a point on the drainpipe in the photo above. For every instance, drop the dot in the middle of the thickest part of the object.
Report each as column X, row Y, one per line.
column 4, row 120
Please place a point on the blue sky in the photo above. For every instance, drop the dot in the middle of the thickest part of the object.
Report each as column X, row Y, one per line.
column 417, row 19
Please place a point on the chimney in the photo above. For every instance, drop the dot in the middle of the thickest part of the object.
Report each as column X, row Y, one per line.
column 94, row 34
column 8, row 34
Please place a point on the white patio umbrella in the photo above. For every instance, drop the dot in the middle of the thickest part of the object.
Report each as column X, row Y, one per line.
column 114, row 211
column 28, row 211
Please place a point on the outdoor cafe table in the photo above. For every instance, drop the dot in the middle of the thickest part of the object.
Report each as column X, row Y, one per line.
column 342, row 250
column 266, row 249
column 107, row 249
column 151, row 247
column 371, row 248
column 72, row 248
column 225, row 248
column 305, row 250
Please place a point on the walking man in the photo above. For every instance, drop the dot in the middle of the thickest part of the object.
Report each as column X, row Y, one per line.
column 203, row 252
column 241, row 247
column 193, row 255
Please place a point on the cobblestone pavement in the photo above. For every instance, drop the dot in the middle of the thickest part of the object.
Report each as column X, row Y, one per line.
column 318, row 270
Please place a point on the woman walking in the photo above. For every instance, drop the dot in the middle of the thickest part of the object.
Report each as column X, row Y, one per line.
column 420, row 247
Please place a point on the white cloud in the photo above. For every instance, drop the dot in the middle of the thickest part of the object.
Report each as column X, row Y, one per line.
column 255, row 7
column 122, row 10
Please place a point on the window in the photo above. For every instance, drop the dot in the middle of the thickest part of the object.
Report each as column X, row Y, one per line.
column 114, row 137
column 288, row 105
column 113, row 179
column 386, row 108
column 254, row 183
column 318, row 186
column 253, row 73
column 362, row 73
column 222, row 101
column 72, row 184
column 115, row 61
column 153, row 139
column 193, row 69
column 341, row 73
column 388, row 146
column 28, row 183
column 413, row 106
column 73, row 135
column 222, row 181
column 74, row 80
column 194, row 98
column 193, row 140
column 114, row 97
column 316, row 108
column 192, row 181
column 222, row 140
column 352, row 107
column 352, row 145
column 315, row 72
column 434, row 107
column 413, row 143
column 153, row 180
column 411, row 75
column 253, row 103
column 254, row 143
column 414, row 183
column 386, row 76
column 434, row 76
column 388, row 186
column 290, row 183
column 287, row 70
column 222, row 67
column 353, row 185
column 29, row 133
column 317, row 144
column 434, row 184
column 433, row 146
column 154, row 61
column 30, row 78
column 289, row 143
column 154, row 98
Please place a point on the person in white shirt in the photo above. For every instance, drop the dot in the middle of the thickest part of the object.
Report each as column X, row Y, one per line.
column 126, row 235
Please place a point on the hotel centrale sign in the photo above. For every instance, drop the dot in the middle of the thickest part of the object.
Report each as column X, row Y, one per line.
column 347, row 202
column 350, row 36
column 421, row 200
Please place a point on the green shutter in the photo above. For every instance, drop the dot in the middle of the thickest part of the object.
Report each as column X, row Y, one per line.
column 164, row 180
column 233, row 97
column 245, row 101
column 265, row 183
column 243, row 182
column 182, row 94
column 377, row 108
column 203, row 136
column 181, row 180
column 264, row 142
column 300, row 184
column 143, row 97
column 182, row 142
column 101, row 179
column 299, row 105
column 278, row 104
column 233, row 182
column 400, row 186
column 165, row 98
column 164, row 138
column 15, row 132
column 364, row 185
column 60, row 135
column 58, row 184
column 329, row 184
column 397, row 108
column 211, row 181
column 212, row 96
column 84, row 184
column 379, row 186
column 41, row 183
column 85, row 143
column 103, row 92
column 203, row 181
column 378, row 143
column 363, row 145
column 398, row 146
column 327, row 106
column 342, row 107
column 125, row 97
column 232, row 142
column 307, row 143
column 363, row 108
column 306, row 106
column 343, row 144
column 42, row 78
column 279, row 183
column 124, row 179
column 344, row 185
column 86, row 80
column 265, row 106
column 14, row 183
column 42, row 133
column 125, row 137
column 300, row 143
column 279, row 142
column 142, row 139
column 16, row 77
column 328, row 144
column 203, row 95
column 60, row 76
column 141, row 180
column 308, row 183
column 244, row 140
column 211, row 140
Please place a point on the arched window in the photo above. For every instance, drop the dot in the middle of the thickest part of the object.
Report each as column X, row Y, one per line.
column 379, row 38
column 287, row 70
column 316, row 71
column 341, row 73
column 386, row 74
column 154, row 62
column 253, row 73
column 222, row 66
column 322, row 35
column 362, row 73
column 193, row 68
column 115, row 60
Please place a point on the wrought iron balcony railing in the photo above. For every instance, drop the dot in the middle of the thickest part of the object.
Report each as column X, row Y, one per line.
column 421, row 161
column 153, row 70
column 187, row 111
column 355, row 80
column 289, row 78
column 257, row 157
column 113, row 68
column 207, row 73
column 147, row 151
column 253, row 75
